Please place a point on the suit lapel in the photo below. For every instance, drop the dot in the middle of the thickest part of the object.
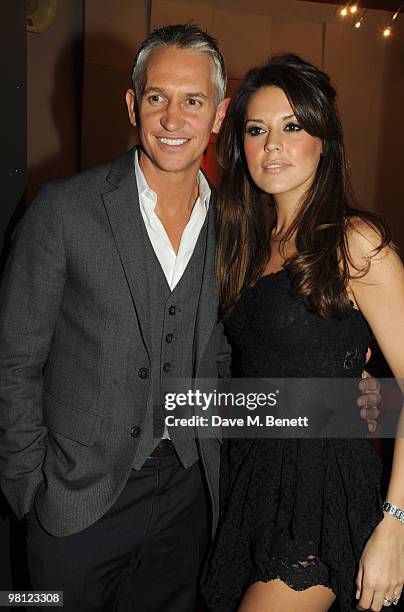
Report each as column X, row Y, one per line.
column 121, row 203
column 207, row 315
column 122, row 207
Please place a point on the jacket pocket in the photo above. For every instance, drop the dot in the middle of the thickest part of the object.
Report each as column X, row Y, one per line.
column 71, row 422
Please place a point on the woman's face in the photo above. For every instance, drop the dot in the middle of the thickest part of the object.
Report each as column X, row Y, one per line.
column 282, row 158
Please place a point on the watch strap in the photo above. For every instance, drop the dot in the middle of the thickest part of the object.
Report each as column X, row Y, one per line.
column 393, row 510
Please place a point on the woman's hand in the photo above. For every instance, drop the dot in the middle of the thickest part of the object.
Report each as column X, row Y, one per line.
column 381, row 567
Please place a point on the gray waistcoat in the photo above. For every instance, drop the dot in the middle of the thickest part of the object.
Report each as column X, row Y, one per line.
column 172, row 329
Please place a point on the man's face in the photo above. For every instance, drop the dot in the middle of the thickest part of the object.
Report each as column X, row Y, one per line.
column 178, row 111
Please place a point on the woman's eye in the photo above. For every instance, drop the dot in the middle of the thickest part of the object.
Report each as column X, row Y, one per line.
column 293, row 127
column 255, row 130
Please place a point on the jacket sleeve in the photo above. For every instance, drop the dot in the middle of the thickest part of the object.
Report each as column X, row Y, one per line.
column 30, row 299
column 224, row 355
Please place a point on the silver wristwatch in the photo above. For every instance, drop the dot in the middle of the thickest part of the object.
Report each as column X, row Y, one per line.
column 398, row 513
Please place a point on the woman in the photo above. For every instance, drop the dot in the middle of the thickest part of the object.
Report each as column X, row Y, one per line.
column 301, row 273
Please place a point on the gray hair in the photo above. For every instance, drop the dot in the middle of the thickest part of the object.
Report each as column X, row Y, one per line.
column 183, row 36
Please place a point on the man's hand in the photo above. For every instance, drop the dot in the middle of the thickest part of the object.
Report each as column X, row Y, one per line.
column 369, row 400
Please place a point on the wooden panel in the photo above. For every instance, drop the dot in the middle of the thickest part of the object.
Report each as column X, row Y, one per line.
column 113, row 31
column 106, row 132
column 248, row 33
column 302, row 37
column 382, row 5
column 356, row 64
column 13, row 156
column 389, row 163
column 171, row 12
column 232, row 86
column 244, row 39
column 54, row 72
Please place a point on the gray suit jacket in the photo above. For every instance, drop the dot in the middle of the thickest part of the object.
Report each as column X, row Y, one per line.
column 73, row 348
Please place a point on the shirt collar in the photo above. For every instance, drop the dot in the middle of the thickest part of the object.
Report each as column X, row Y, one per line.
column 147, row 194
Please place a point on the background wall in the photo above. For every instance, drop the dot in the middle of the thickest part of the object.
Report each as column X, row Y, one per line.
column 79, row 69
column 54, row 97
column 13, row 156
column 367, row 70
column 12, row 185
column 113, row 31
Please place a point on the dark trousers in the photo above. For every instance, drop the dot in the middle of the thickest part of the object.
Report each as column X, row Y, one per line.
column 143, row 555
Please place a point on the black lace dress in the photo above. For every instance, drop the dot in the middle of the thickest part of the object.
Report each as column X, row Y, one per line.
column 296, row 509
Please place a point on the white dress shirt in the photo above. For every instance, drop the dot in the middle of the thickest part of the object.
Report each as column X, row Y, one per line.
column 173, row 264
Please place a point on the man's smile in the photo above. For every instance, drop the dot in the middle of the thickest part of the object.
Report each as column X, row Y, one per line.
column 172, row 142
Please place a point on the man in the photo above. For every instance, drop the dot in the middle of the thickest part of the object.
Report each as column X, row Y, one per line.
column 110, row 292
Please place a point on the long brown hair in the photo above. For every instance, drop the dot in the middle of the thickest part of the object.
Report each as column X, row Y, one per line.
column 319, row 270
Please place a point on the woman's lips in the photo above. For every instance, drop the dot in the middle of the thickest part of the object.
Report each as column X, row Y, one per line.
column 275, row 167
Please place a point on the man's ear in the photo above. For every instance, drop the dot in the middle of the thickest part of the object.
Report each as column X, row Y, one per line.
column 220, row 114
column 131, row 104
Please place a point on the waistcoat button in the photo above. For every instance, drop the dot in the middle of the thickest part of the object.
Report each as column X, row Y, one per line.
column 135, row 431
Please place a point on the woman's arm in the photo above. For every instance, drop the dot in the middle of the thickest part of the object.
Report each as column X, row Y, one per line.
column 379, row 295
